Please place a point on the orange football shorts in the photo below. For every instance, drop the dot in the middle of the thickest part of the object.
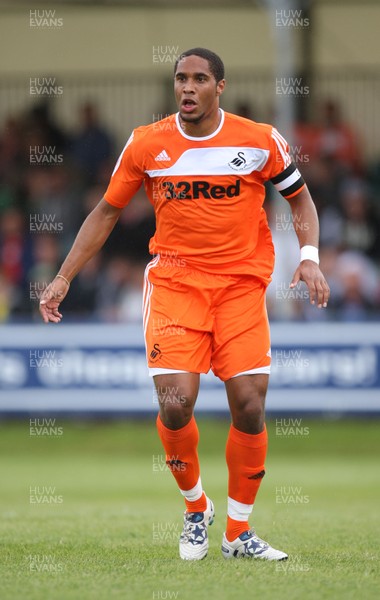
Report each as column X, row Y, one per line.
column 194, row 321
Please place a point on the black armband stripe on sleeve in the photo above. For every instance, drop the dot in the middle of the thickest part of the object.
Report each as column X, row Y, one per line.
column 284, row 174
column 289, row 181
column 293, row 188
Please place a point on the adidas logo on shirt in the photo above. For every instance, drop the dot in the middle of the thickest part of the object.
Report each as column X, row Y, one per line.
column 162, row 156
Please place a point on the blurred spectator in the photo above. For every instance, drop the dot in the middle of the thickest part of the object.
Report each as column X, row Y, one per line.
column 360, row 226
column 116, row 277
column 42, row 207
column 92, row 146
column 46, row 256
column 374, row 181
column 336, row 140
column 359, row 282
column 328, row 261
column 131, row 297
column 305, row 137
column 324, row 179
column 11, row 159
column 133, row 231
column 14, row 246
column 354, row 224
column 54, row 202
column 244, row 109
column 85, row 289
column 41, row 128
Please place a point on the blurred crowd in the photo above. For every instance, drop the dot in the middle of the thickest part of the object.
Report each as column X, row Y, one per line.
column 50, row 179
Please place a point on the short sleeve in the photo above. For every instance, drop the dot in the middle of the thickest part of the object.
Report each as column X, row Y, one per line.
column 280, row 168
column 127, row 175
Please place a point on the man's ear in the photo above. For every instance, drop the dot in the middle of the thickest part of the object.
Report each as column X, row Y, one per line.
column 220, row 87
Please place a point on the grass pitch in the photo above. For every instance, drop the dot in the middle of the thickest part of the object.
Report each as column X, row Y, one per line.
column 89, row 511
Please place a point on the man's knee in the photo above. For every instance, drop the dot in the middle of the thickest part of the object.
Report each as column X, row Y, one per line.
column 175, row 411
column 247, row 403
column 176, row 400
column 250, row 414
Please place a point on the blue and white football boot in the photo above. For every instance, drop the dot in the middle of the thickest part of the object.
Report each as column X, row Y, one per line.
column 249, row 545
column 193, row 543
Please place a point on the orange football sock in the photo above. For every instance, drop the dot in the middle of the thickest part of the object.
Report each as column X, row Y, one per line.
column 245, row 455
column 182, row 459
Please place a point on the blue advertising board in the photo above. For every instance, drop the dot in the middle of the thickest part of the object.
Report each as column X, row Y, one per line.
column 328, row 367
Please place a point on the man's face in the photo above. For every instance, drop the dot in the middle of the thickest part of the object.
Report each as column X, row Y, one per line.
column 196, row 91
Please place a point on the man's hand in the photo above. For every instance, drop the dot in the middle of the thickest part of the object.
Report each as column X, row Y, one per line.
column 51, row 299
column 309, row 272
column 91, row 237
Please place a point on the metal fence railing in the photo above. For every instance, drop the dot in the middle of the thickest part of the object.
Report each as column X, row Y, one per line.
column 126, row 100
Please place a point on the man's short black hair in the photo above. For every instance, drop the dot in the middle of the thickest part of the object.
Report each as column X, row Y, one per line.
column 215, row 62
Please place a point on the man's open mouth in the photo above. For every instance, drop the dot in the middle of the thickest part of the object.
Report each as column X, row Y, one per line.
column 188, row 105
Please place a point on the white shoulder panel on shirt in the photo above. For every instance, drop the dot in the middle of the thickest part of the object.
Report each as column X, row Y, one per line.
column 225, row 160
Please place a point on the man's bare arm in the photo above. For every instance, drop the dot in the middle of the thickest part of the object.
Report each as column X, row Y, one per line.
column 91, row 237
column 306, row 223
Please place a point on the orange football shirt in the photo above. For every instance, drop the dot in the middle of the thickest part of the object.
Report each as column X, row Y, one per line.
column 208, row 192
